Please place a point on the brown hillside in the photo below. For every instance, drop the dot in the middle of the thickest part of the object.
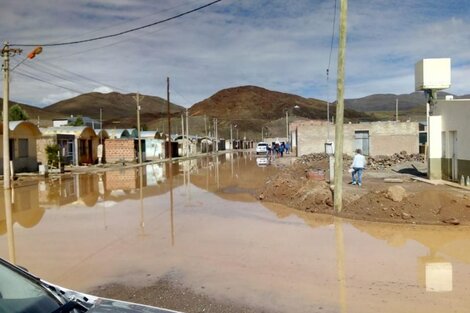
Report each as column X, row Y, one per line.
column 251, row 108
column 45, row 117
column 116, row 106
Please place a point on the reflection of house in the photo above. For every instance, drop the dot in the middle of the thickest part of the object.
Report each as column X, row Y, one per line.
column 373, row 138
column 23, row 136
column 78, row 144
column 449, row 151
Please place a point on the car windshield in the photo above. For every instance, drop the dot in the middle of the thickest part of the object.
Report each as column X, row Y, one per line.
column 19, row 294
column 262, row 145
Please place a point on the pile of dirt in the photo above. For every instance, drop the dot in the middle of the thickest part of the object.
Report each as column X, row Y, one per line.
column 302, row 186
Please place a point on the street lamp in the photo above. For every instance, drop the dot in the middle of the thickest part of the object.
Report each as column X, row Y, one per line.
column 7, row 51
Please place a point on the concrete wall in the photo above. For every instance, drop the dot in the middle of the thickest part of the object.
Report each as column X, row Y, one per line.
column 385, row 138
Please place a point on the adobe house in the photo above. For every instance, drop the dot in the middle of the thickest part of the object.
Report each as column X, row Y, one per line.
column 449, row 150
column 185, row 144
column 373, row 138
column 78, row 144
column 23, row 153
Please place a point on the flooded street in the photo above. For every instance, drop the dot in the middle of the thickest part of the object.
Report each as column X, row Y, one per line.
column 200, row 223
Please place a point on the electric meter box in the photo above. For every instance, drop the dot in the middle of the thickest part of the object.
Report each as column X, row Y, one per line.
column 432, row 74
column 329, row 148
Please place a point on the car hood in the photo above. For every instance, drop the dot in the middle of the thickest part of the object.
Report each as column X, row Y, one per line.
column 107, row 305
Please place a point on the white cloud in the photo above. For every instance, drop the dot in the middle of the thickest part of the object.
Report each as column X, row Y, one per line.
column 103, row 89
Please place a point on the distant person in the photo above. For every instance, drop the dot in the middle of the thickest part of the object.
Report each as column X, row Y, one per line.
column 281, row 149
column 287, row 147
column 357, row 166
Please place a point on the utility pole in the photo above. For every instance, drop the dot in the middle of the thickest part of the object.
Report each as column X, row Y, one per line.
column 137, row 99
column 287, row 126
column 205, row 123
column 6, row 53
column 215, row 135
column 187, row 131
column 182, row 135
column 169, row 116
column 396, row 110
column 339, row 136
column 231, row 137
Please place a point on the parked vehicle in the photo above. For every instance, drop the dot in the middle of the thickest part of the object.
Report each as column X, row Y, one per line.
column 22, row 292
column 262, row 148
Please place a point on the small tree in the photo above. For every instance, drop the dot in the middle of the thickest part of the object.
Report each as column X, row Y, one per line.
column 16, row 113
column 52, row 152
column 78, row 121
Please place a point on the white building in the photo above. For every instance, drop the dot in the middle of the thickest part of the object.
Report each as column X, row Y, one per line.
column 449, row 149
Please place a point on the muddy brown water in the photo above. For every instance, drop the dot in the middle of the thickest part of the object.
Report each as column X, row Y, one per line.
column 200, row 224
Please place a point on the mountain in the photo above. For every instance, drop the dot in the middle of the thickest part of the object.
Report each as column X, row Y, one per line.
column 254, row 110
column 246, row 103
column 115, row 107
column 35, row 113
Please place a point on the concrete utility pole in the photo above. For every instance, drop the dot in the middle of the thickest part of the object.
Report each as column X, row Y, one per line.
column 215, row 135
column 396, row 109
column 182, row 135
column 338, row 181
column 169, row 116
column 231, row 137
column 205, row 123
column 187, row 132
column 287, row 126
column 6, row 53
column 137, row 99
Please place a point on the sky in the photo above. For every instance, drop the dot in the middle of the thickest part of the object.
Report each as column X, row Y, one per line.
column 281, row 45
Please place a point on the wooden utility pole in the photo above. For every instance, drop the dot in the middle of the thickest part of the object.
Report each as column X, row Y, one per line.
column 339, row 136
column 169, row 116
column 6, row 96
column 137, row 99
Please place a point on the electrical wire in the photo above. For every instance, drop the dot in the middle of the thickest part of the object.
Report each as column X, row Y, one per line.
column 119, row 33
column 47, row 82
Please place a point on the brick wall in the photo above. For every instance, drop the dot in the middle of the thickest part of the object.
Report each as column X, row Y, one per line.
column 119, row 150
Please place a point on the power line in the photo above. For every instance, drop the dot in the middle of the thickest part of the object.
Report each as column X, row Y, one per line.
column 119, row 33
column 47, row 82
column 332, row 39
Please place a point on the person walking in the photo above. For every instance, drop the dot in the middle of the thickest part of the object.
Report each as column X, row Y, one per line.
column 357, row 166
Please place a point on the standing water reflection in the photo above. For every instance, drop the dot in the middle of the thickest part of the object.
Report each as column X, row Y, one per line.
column 199, row 222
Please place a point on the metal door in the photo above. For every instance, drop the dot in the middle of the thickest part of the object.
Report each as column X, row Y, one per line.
column 361, row 138
column 453, row 151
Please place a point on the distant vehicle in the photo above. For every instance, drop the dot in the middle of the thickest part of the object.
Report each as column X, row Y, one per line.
column 21, row 292
column 262, row 148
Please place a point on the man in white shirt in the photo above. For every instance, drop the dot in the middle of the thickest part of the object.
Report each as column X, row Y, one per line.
column 358, row 165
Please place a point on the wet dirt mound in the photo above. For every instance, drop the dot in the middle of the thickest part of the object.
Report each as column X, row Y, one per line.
column 300, row 186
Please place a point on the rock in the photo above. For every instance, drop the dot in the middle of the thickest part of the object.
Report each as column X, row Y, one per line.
column 261, row 196
column 452, row 221
column 406, row 216
column 396, row 193
column 329, row 202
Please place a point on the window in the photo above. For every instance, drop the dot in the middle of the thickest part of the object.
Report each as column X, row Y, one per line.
column 23, row 148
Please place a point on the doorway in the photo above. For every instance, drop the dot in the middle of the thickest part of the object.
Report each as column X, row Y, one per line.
column 361, row 138
column 453, row 151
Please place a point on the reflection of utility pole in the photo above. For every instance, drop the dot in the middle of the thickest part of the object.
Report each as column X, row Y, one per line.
column 137, row 99
column 339, row 136
column 340, row 264
column 141, row 194
column 9, row 221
